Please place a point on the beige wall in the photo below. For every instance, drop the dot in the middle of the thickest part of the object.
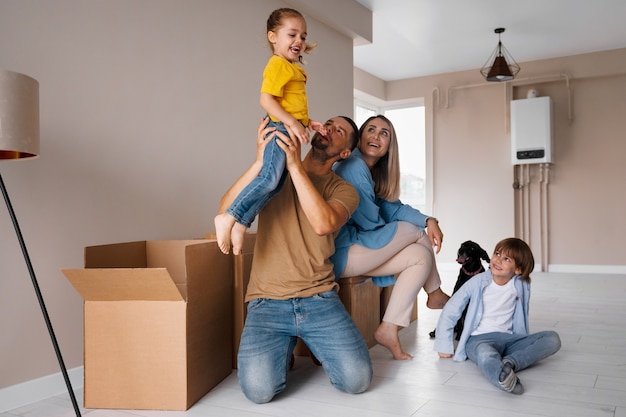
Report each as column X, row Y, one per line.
column 474, row 198
column 148, row 113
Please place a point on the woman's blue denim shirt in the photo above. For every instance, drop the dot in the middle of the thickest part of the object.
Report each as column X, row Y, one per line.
column 375, row 221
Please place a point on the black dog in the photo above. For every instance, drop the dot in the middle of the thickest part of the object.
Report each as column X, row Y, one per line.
column 469, row 256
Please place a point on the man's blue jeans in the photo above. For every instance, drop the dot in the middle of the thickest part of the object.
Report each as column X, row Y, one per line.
column 251, row 200
column 322, row 322
column 490, row 349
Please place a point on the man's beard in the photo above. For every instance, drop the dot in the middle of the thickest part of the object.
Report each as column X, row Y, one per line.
column 320, row 150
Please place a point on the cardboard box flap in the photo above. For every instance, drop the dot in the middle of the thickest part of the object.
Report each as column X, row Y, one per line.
column 117, row 255
column 115, row 284
column 172, row 255
column 203, row 262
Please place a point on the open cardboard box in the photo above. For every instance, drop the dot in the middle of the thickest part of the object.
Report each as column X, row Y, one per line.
column 242, row 265
column 158, row 322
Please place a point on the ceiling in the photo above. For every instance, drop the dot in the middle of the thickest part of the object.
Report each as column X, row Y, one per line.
column 414, row 38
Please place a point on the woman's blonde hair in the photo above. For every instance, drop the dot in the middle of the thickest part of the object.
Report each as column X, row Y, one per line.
column 520, row 252
column 275, row 20
column 386, row 172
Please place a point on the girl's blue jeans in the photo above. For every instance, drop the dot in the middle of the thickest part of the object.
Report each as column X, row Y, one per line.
column 266, row 185
column 490, row 349
column 322, row 322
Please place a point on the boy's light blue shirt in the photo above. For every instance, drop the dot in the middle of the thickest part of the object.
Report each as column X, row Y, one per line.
column 375, row 221
column 472, row 292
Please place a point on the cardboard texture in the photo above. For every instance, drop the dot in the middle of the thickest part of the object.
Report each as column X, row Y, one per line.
column 362, row 300
column 242, row 265
column 158, row 323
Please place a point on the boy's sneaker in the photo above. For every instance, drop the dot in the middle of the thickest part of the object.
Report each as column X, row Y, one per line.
column 518, row 389
column 509, row 381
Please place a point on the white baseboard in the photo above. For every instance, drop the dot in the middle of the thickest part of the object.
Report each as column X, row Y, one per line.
column 588, row 269
column 39, row 389
column 446, row 268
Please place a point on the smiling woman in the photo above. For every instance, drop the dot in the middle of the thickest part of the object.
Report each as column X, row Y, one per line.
column 384, row 238
column 409, row 123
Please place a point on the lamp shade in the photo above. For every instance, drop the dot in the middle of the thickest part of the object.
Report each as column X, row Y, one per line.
column 500, row 66
column 19, row 115
column 500, row 70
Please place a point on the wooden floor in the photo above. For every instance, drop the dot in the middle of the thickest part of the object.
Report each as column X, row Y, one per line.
column 586, row 378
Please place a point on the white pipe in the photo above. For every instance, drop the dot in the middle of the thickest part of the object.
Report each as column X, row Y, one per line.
column 544, row 181
column 521, row 81
column 435, row 90
column 548, row 78
column 522, row 201
column 518, row 202
column 527, row 202
column 461, row 87
column 542, row 217
column 546, row 240
column 522, row 186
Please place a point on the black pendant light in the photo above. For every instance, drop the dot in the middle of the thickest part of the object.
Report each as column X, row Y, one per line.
column 500, row 66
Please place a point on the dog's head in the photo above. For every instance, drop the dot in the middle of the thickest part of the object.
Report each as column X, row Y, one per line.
column 471, row 252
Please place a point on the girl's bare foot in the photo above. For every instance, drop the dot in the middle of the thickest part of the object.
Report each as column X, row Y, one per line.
column 387, row 335
column 237, row 235
column 437, row 299
column 223, row 225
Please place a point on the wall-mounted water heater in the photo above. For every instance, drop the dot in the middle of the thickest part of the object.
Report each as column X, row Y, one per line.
column 531, row 131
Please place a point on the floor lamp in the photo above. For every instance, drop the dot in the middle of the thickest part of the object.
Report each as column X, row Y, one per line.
column 19, row 138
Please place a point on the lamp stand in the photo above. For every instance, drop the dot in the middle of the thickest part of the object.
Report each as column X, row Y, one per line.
column 39, row 297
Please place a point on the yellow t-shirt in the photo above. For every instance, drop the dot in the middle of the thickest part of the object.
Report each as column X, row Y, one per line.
column 287, row 82
column 290, row 259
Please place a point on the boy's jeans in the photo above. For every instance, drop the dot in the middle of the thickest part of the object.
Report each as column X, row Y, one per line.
column 266, row 185
column 270, row 334
column 490, row 349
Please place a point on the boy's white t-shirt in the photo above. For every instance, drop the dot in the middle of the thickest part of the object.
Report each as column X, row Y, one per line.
column 498, row 306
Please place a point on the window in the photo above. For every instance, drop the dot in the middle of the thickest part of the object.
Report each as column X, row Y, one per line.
column 410, row 126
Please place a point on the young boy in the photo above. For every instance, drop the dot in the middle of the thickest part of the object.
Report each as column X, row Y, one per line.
column 496, row 335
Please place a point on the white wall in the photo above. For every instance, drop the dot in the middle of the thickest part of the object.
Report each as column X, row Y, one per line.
column 148, row 113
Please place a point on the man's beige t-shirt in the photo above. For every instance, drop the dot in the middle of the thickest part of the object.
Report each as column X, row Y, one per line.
column 290, row 259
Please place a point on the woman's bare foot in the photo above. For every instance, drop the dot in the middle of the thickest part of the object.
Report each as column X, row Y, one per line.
column 223, row 225
column 237, row 235
column 437, row 299
column 387, row 335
